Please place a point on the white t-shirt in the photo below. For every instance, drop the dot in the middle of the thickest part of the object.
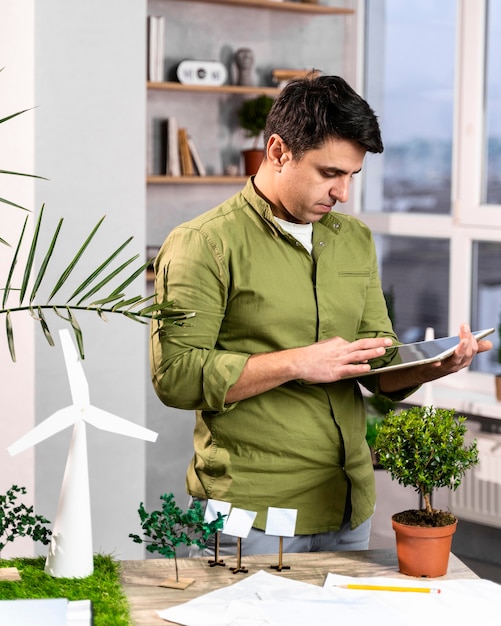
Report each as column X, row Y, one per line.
column 301, row 232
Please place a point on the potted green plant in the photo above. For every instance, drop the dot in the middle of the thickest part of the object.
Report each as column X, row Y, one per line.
column 424, row 447
column 252, row 116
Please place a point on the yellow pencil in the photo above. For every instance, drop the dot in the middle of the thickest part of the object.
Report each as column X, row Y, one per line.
column 390, row 588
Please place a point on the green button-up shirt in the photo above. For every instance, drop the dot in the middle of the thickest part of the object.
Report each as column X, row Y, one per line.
column 254, row 289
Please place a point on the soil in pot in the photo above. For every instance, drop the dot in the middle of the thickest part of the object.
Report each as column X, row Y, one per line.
column 423, row 550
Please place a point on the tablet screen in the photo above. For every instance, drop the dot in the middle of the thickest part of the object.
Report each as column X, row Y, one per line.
column 421, row 352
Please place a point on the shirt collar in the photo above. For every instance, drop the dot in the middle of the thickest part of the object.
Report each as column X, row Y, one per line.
column 330, row 220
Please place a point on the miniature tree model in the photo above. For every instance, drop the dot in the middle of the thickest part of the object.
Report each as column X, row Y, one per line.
column 18, row 520
column 423, row 447
column 167, row 529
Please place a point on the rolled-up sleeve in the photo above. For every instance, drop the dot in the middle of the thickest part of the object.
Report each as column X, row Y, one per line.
column 187, row 368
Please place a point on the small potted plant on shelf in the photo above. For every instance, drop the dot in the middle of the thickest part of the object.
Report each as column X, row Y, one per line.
column 252, row 116
column 424, row 447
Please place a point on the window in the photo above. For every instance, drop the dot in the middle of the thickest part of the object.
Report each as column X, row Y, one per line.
column 486, row 298
column 492, row 192
column 413, row 57
column 432, row 73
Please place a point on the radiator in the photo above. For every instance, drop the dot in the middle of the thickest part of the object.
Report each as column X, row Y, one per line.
column 478, row 498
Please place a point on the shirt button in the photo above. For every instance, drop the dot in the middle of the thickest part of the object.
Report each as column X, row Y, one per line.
column 321, row 243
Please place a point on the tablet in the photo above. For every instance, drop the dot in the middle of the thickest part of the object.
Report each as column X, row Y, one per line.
column 421, row 352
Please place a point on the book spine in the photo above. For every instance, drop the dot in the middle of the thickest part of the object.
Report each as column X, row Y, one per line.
column 173, row 163
column 186, row 162
column 156, row 41
column 199, row 166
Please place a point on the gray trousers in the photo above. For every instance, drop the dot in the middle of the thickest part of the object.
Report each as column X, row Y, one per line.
column 257, row 542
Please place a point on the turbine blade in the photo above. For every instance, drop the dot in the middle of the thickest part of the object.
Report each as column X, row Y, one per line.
column 76, row 375
column 55, row 423
column 114, row 424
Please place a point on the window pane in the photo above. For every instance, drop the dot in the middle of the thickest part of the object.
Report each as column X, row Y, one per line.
column 415, row 277
column 493, row 104
column 486, row 299
column 410, row 84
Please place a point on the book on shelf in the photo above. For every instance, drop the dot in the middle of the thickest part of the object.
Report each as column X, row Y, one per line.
column 195, row 156
column 173, row 164
column 155, row 34
column 185, row 154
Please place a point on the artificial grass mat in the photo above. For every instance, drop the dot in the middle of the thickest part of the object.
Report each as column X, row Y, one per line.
column 102, row 588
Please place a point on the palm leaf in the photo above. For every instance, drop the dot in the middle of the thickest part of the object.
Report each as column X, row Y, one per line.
column 13, row 115
column 10, row 336
column 136, row 307
column 31, row 257
column 45, row 327
column 131, row 278
column 106, row 280
column 74, row 261
column 98, row 271
column 45, row 262
column 6, row 289
column 18, row 206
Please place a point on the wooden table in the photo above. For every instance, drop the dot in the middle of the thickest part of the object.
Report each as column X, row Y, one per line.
column 140, row 579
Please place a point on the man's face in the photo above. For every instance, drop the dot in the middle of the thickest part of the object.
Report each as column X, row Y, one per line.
column 307, row 189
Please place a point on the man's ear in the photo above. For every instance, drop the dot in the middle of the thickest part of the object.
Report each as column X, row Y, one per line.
column 277, row 151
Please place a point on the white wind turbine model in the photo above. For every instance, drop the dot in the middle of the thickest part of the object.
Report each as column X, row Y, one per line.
column 71, row 553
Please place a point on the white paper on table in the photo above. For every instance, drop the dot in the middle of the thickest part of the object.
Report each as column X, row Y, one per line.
column 281, row 522
column 214, row 507
column 237, row 604
column 460, row 602
column 239, row 522
column 268, row 600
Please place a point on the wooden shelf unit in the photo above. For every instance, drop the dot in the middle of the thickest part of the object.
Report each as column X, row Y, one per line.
column 235, row 89
column 195, row 180
column 300, row 7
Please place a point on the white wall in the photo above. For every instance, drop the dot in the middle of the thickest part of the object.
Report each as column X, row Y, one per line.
column 85, row 72
column 17, row 410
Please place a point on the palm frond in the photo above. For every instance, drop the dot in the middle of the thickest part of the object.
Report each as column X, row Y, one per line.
column 139, row 308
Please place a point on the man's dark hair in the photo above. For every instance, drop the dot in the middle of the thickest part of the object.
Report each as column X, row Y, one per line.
column 316, row 108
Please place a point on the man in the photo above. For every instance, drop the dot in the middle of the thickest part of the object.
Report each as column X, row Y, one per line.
column 288, row 310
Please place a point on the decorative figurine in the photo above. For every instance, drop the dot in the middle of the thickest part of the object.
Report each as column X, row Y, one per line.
column 244, row 61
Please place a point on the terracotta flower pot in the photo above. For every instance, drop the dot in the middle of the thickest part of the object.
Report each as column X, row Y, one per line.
column 423, row 551
column 252, row 160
